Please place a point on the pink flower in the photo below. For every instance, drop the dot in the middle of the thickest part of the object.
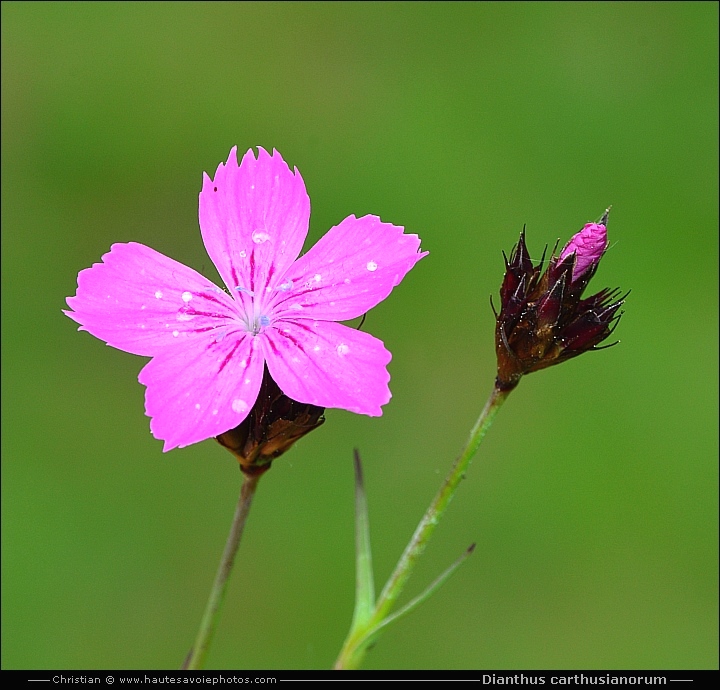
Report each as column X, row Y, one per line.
column 209, row 348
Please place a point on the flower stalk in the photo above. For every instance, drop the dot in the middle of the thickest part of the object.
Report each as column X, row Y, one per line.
column 195, row 659
column 543, row 321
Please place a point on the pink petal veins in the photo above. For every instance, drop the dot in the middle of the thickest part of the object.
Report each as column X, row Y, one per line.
column 328, row 364
column 140, row 301
column 254, row 220
column 201, row 388
column 349, row 271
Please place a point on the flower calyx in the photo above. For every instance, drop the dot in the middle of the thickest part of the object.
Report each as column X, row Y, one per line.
column 273, row 425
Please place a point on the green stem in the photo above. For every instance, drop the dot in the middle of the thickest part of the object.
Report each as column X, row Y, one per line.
column 196, row 658
column 356, row 645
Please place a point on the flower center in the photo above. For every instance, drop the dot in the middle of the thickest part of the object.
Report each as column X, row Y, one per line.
column 254, row 324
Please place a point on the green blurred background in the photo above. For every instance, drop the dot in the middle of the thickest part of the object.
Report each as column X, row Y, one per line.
column 593, row 501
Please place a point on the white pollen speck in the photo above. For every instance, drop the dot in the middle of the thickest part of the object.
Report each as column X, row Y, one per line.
column 176, row 334
column 243, row 253
column 197, row 406
column 158, row 294
column 346, row 281
column 317, row 277
column 142, row 306
column 215, row 411
column 316, row 348
column 186, row 296
column 296, row 306
column 260, row 236
column 243, row 364
column 142, row 325
column 371, row 266
column 247, row 382
column 342, row 349
column 237, row 406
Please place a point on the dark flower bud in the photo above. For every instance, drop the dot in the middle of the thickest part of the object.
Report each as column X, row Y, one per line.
column 543, row 319
column 273, row 425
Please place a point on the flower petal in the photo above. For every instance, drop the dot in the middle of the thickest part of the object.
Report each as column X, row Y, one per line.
column 254, row 220
column 350, row 270
column 140, row 301
column 328, row 364
column 201, row 388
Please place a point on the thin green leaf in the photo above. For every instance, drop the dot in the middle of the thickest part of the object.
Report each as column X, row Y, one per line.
column 364, row 579
column 432, row 588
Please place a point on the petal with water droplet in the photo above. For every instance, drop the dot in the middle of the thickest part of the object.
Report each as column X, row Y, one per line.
column 128, row 309
column 253, row 218
column 360, row 261
column 179, row 378
column 329, row 365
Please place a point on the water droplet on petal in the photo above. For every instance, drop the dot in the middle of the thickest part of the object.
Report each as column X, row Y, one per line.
column 260, row 236
column 371, row 266
column 264, row 321
column 243, row 253
column 238, row 406
column 142, row 306
column 247, row 382
column 240, row 288
column 158, row 294
column 286, row 286
column 296, row 306
column 197, row 406
column 186, row 297
column 346, row 281
column 215, row 411
column 342, row 349
column 183, row 315
column 176, row 334
column 317, row 277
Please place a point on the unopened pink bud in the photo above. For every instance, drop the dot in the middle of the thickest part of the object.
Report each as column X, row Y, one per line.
column 588, row 245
